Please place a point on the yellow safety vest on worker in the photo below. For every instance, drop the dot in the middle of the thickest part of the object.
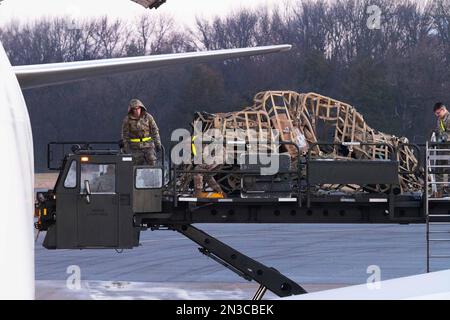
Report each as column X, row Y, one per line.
column 444, row 124
column 147, row 139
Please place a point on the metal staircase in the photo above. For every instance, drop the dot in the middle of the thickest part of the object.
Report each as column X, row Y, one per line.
column 437, row 220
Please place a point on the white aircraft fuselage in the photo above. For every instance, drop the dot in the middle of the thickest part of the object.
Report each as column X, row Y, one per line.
column 16, row 189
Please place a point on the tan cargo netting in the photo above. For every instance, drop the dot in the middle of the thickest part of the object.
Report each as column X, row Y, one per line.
column 307, row 118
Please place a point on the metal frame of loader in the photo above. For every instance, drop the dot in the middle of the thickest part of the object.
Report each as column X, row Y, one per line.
column 179, row 212
column 304, row 207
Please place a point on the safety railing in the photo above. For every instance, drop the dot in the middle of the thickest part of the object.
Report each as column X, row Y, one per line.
column 73, row 147
column 239, row 172
column 437, row 163
column 348, row 171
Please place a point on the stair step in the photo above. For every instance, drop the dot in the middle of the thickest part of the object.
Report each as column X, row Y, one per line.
column 438, row 231
column 439, row 240
column 440, row 256
column 438, row 182
column 438, row 150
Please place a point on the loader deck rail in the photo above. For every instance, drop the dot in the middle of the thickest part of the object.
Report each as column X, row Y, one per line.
column 175, row 172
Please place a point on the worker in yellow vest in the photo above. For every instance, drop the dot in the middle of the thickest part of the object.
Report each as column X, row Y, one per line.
column 442, row 135
column 204, row 176
column 140, row 134
column 443, row 121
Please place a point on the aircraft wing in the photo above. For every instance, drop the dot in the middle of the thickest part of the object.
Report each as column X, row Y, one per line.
column 434, row 285
column 34, row 76
column 150, row 3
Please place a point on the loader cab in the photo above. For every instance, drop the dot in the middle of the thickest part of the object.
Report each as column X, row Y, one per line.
column 96, row 197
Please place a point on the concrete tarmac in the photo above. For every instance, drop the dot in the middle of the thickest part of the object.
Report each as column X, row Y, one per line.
column 317, row 256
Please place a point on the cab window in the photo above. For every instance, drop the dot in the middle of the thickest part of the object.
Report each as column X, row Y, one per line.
column 148, row 178
column 71, row 179
column 101, row 177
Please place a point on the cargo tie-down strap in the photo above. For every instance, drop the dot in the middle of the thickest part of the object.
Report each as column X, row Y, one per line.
column 194, row 149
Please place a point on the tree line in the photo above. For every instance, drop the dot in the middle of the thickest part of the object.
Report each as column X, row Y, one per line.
column 392, row 72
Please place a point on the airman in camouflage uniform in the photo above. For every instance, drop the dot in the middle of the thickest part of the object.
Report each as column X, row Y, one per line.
column 200, row 178
column 209, row 179
column 443, row 134
column 140, row 134
column 443, row 122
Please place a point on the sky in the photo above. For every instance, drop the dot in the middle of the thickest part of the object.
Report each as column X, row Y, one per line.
column 183, row 11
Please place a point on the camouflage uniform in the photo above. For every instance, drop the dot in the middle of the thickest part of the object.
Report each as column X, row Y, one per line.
column 443, row 129
column 444, row 126
column 209, row 179
column 198, row 179
column 141, row 129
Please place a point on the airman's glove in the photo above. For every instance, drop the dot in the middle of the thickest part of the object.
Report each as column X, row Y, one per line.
column 442, row 138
